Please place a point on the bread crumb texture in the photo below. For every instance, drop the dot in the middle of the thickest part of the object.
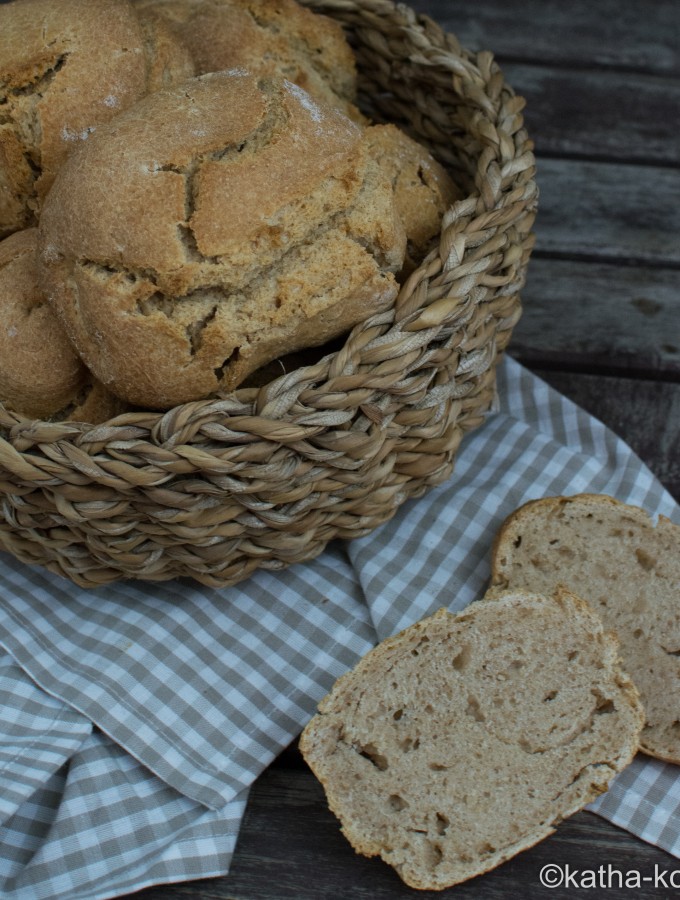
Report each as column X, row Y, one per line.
column 211, row 228
column 65, row 69
column 612, row 555
column 466, row 738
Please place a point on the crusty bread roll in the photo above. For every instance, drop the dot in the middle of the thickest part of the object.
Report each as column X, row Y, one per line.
column 41, row 377
column 93, row 404
column 211, row 228
column 465, row 739
column 272, row 37
column 423, row 188
column 65, row 68
column 612, row 555
column 168, row 58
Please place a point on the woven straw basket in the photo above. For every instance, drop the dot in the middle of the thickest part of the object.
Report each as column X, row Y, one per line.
column 267, row 476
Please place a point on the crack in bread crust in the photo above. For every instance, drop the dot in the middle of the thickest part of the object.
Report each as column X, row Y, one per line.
column 20, row 97
column 50, row 100
column 263, row 235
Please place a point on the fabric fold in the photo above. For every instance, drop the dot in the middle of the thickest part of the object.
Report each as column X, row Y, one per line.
column 101, row 826
column 202, row 687
column 135, row 716
column 38, row 735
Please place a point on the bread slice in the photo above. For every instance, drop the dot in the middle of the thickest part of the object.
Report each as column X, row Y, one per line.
column 466, row 738
column 613, row 556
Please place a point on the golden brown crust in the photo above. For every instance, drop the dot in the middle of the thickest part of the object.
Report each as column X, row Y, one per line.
column 39, row 370
column 273, row 37
column 423, row 188
column 211, row 228
column 41, row 376
column 168, row 59
column 66, row 68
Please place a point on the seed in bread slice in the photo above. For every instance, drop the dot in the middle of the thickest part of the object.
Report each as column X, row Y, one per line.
column 466, row 738
column 613, row 556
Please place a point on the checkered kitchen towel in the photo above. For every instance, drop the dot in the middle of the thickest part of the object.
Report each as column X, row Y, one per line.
column 134, row 717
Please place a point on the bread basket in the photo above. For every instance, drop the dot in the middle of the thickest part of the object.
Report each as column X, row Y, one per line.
column 265, row 477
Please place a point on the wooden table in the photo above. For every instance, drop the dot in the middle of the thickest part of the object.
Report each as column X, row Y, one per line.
column 601, row 323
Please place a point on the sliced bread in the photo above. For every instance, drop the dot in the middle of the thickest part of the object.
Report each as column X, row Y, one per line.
column 613, row 556
column 466, row 738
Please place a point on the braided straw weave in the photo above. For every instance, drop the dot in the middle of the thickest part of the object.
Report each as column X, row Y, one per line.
column 267, row 476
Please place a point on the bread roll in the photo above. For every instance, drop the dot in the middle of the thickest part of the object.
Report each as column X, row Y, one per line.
column 168, row 58
column 211, row 228
column 612, row 555
column 41, row 377
column 272, row 37
column 423, row 188
column 465, row 739
column 65, row 68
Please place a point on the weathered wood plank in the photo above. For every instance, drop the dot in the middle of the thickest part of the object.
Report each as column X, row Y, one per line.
column 630, row 214
column 600, row 114
column 291, row 848
column 600, row 317
column 610, row 33
column 645, row 413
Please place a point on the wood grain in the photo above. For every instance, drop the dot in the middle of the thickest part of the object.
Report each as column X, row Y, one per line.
column 608, row 211
column 605, row 115
column 600, row 317
column 581, row 33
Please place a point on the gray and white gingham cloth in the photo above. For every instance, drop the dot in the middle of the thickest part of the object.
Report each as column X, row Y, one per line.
column 133, row 718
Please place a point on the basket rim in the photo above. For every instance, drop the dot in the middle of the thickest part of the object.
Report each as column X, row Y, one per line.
column 264, row 477
column 437, row 51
